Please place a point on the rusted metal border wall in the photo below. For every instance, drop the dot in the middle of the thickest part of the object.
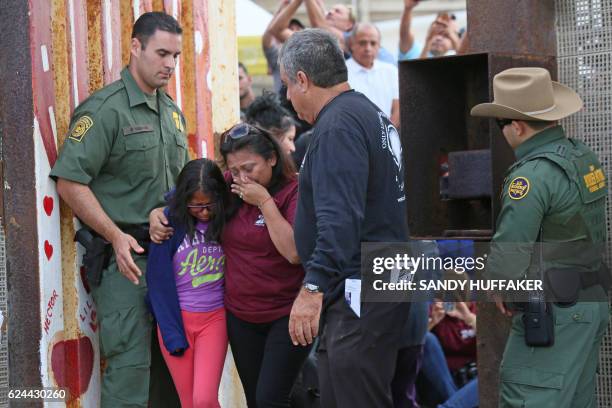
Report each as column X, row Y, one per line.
column 16, row 115
column 53, row 55
column 4, row 372
column 222, row 81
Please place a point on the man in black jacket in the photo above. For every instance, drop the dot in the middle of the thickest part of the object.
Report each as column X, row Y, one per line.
column 351, row 191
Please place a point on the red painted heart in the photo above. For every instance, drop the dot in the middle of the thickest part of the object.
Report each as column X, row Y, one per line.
column 48, row 249
column 72, row 365
column 48, row 205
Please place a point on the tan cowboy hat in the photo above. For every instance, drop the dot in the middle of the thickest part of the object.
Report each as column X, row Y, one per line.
column 529, row 94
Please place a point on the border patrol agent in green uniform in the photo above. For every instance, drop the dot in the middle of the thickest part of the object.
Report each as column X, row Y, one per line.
column 554, row 194
column 125, row 149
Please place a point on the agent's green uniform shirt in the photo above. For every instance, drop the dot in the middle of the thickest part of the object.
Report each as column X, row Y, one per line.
column 129, row 147
column 557, row 186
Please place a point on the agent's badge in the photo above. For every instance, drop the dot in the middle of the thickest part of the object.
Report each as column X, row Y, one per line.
column 80, row 128
column 518, row 189
column 178, row 122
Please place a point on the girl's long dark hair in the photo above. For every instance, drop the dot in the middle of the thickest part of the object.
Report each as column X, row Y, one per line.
column 262, row 143
column 205, row 176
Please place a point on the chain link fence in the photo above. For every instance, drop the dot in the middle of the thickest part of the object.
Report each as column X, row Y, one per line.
column 4, row 383
column 584, row 51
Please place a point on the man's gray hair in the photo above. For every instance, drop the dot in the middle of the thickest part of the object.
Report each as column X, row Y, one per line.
column 361, row 26
column 317, row 53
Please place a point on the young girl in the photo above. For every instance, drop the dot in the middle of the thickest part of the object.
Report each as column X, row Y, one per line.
column 185, row 278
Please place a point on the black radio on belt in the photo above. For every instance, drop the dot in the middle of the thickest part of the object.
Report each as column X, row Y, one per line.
column 538, row 318
column 538, row 321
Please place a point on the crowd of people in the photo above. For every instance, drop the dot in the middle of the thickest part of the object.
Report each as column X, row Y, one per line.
column 257, row 255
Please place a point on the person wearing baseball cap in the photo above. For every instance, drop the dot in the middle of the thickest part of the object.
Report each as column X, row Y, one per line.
column 553, row 195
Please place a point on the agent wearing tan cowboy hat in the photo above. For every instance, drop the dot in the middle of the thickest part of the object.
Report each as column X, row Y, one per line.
column 554, row 193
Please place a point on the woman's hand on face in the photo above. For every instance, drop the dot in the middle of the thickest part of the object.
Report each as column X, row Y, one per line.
column 437, row 313
column 462, row 312
column 250, row 192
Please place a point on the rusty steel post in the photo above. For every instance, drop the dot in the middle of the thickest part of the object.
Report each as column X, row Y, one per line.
column 525, row 27
column 16, row 118
column 221, row 82
column 522, row 30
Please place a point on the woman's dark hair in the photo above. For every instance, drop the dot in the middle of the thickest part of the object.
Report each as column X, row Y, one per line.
column 267, row 112
column 262, row 143
column 205, row 176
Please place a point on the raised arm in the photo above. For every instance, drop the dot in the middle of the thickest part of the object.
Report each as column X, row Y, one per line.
column 433, row 30
column 465, row 44
column 268, row 37
column 406, row 34
column 279, row 26
column 316, row 15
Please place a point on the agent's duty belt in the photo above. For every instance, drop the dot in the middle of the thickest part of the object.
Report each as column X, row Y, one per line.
column 98, row 251
column 140, row 232
column 562, row 285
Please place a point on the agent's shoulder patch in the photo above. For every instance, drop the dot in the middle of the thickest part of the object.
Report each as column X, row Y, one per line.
column 80, row 128
column 518, row 188
column 595, row 179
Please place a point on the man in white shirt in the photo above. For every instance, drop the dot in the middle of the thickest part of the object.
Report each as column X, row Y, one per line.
column 375, row 79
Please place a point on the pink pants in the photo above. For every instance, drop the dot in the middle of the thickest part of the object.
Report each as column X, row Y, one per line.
column 197, row 373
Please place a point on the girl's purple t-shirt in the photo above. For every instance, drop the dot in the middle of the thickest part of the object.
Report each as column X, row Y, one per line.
column 199, row 270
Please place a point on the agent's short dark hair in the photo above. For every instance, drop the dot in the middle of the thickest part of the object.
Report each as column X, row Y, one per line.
column 267, row 112
column 260, row 142
column 539, row 125
column 200, row 175
column 317, row 53
column 148, row 23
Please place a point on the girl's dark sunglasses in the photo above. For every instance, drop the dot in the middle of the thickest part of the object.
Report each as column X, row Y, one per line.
column 208, row 207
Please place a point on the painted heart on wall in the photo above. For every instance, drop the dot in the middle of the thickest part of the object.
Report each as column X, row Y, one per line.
column 72, row 365
column 48, row 249
column 48, row 205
